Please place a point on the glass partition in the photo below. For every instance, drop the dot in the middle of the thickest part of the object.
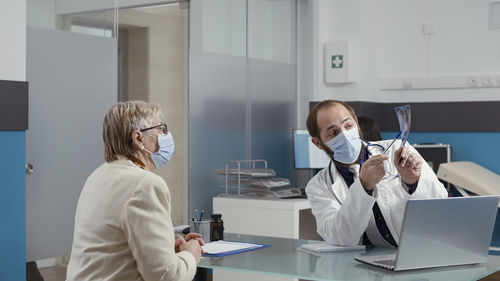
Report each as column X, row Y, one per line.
column 242, row 90
column 272, row 30
column 99, row 18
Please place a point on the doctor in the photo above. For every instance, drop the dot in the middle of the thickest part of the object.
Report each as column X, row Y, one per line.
column 361, row 196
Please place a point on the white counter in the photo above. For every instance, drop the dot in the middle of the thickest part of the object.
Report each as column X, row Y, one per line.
column 287, row 218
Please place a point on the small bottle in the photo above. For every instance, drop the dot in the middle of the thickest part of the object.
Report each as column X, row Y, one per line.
column 216, row 227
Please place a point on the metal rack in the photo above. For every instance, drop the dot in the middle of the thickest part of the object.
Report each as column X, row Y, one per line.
column 258, row 181
column 238, row 163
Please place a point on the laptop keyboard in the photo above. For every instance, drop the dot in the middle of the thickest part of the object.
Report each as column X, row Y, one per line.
column 387, row 263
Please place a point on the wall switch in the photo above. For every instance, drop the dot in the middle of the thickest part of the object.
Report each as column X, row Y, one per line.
column 429, row 28
column 338, row 62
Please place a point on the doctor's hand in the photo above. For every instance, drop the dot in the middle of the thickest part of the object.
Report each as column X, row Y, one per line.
column 372, row 171
column 410, row 166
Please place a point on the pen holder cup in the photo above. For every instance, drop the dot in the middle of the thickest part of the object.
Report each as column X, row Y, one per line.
column 202, row 227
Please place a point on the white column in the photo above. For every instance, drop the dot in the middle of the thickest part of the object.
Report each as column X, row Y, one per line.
column 13, row 40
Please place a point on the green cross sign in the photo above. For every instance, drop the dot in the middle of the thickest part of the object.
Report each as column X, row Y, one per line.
column 337, row 61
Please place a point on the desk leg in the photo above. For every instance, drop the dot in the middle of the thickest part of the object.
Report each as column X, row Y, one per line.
column 201, row 274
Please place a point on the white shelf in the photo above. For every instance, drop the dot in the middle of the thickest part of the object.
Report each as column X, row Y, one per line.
column 441, row 82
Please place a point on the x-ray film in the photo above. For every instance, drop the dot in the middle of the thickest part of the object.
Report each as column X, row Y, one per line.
column 404, row 117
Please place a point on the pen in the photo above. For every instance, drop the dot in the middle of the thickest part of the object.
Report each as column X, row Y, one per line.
column 402, row 145
column 196, row 214
column 201, row 214
column 397, row 136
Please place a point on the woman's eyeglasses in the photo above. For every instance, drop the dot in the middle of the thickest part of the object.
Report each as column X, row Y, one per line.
column 163, row 127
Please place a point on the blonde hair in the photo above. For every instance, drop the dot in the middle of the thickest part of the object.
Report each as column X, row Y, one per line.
column 120, row 121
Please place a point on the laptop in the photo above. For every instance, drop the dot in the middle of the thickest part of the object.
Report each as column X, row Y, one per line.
column 442, row 232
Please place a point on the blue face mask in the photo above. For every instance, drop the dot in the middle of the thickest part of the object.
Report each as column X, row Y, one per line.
column 165, row 152
column 346, row 146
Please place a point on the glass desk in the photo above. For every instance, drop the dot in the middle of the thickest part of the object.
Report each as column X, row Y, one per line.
column 286, row 259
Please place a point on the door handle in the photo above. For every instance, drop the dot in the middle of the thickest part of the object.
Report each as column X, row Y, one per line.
column 28, row 169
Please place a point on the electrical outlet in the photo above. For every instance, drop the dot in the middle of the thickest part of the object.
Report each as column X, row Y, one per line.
column 487, row 81
column 473, row 81
column 407, row 84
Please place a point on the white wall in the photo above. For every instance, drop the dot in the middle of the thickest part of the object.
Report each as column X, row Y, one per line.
column 41, row 13
column 13, row 43
column 387, row 38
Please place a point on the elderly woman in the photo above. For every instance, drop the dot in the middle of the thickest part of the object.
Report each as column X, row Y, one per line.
column 123, row 229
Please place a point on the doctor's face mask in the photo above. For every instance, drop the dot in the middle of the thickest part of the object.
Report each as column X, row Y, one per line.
column 346, row 146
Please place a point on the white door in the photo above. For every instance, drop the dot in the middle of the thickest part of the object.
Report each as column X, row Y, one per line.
column 73, row 80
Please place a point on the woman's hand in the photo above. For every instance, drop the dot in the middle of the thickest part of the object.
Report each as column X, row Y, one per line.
column 194, row 235
column 179, row 241
column 191, row 236
column 194, row 247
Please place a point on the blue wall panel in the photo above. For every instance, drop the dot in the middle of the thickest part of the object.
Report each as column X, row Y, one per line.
column 12, row 206
column 480, row 148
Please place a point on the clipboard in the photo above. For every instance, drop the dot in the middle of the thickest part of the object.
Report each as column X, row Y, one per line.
column 222, row 248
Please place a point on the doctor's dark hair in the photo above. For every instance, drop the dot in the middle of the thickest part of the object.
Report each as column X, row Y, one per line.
column 312, row 118
column 120, row 121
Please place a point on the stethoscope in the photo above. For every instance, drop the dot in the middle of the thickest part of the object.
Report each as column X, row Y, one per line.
column 367, row 147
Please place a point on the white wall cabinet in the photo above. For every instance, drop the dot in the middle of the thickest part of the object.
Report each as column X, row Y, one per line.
column 288, row 218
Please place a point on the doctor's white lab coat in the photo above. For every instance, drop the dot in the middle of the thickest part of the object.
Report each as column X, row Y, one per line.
column 344, row 213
